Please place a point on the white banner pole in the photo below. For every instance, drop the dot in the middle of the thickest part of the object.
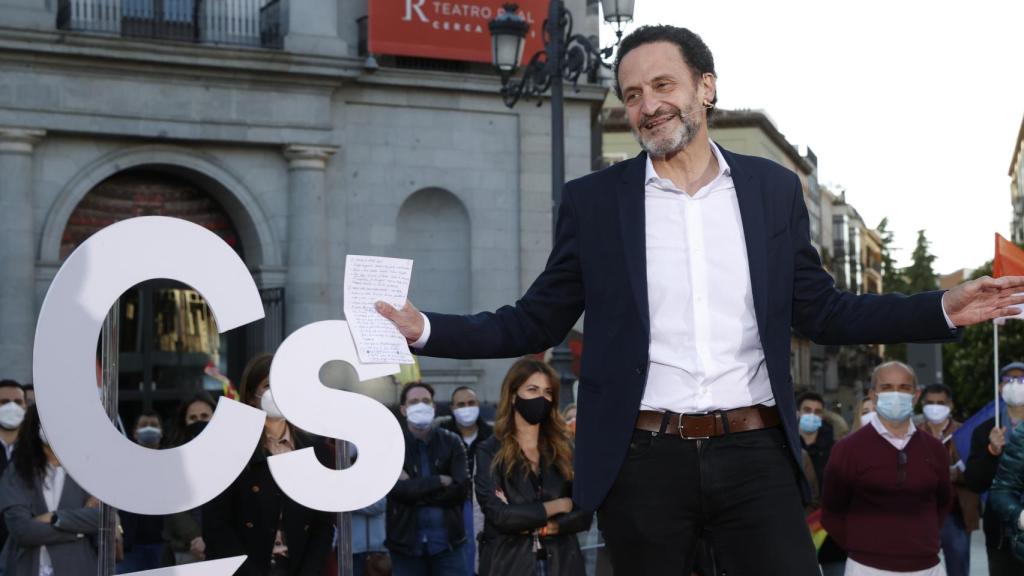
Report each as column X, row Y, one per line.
column 995, row 365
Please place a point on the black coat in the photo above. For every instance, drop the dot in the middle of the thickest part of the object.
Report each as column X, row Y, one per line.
column 598, row 261
column 978, row 474
column 424, row 488
column 506, row 545
column 484, row 431
column 244, row 520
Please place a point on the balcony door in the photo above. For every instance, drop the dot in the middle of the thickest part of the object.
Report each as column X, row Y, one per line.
column 167, row 19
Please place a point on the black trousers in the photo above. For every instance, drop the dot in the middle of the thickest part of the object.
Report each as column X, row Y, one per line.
column 738, row 491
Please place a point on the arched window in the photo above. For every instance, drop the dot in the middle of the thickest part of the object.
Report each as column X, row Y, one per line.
column 433, row 229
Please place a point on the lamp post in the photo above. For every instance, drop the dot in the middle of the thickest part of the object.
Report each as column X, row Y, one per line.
column 565, row 57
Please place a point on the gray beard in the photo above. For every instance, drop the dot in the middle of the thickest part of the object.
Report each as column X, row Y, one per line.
column 663, row 146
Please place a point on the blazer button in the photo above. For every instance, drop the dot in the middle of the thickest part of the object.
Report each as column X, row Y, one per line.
column 639, row 370
column 255, row 488
column 248, row 524
column 306, row 527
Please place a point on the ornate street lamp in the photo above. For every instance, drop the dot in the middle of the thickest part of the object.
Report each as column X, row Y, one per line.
column 565, row 57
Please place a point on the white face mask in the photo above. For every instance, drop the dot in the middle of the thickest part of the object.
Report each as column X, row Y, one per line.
column 467, row 415
column 936, row 413
column 268, row 405
column 420, row 415
column 11, row 416
column 1013, row 393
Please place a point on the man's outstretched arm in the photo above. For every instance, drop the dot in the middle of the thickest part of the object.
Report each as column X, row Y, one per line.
column 538, row 321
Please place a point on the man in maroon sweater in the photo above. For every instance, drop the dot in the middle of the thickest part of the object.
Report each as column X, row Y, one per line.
column 887, row 490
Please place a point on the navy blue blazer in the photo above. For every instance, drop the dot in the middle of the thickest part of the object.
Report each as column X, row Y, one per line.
column 598, row 263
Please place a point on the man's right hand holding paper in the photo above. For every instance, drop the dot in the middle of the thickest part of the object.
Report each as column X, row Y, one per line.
column 408, row 320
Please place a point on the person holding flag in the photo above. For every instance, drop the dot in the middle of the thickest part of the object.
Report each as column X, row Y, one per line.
column 987, row 444
column 1007, row 494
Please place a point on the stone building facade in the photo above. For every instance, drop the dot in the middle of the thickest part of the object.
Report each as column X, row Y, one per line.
column 269, row 123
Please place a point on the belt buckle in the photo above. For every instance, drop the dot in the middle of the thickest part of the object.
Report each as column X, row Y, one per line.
column 682, row 430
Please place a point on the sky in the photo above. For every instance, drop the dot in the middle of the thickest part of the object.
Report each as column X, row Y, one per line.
column 913, row 107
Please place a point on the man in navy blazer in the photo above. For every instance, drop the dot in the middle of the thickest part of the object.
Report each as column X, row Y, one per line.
column 693, row 265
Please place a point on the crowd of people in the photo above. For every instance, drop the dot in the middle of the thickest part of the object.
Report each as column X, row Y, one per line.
column 495, row 497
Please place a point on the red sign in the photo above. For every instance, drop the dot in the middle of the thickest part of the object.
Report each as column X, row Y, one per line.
column 447, row 30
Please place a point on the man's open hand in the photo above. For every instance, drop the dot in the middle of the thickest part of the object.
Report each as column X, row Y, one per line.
column 408, row 319
column 983, row 299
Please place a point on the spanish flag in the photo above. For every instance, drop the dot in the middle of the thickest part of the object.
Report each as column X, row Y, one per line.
column 818, row 532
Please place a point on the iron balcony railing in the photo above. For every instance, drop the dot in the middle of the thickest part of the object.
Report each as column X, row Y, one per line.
column 233, row 22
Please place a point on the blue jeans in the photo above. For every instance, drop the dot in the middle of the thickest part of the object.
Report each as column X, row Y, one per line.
column 469, row 548
column 141, row 557
column 956, row 545
column 447, row 563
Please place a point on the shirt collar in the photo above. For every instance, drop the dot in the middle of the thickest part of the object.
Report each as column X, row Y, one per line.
column 881, row 429
column 652, row 175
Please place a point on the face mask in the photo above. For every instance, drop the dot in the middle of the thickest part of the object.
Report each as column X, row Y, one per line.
column 148, row 436
column 936, row 413
column 895, row 406
column 534, row 410
column 268, row 405
column 467, row 415
column 11, row 416
column 1013, row 393
column 810, row 423
column 421, row 415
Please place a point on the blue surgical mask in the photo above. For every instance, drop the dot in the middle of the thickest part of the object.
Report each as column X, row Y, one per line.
column 895, row 406
column 810, row 423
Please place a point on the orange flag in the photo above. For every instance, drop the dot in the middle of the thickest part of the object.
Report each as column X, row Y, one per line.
column 1009, row 259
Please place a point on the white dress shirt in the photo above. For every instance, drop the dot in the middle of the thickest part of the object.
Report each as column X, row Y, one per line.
column 898, row 442
column 854, row 568
column 705, row 351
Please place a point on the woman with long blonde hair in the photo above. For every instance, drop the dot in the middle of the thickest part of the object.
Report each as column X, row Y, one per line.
column 524, row 481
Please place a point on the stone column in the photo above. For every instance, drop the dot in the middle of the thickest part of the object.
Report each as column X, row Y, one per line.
column 17, row 253
column 306, row 292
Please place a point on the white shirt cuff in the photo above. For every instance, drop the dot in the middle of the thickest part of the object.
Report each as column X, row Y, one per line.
column 1020, row 521
column 942, row 304
column 426, row 333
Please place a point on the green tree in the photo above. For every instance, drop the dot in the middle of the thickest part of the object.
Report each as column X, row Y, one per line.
column 967, row 365
column 920, row 276
column 892, row 277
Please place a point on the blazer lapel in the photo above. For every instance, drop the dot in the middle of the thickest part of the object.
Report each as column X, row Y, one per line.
column 632, row 221
column 755, row 234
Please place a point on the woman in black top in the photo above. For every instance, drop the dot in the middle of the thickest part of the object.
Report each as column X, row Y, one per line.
column 253, row 516
column 524, row 481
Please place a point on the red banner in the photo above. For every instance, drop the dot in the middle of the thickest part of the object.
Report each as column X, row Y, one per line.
column 1009, row 259
column 447, row 30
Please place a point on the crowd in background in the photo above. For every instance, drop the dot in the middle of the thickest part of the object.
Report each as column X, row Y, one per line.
column 475, row 496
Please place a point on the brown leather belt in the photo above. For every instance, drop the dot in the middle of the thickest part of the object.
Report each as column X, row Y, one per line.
column 694, row 426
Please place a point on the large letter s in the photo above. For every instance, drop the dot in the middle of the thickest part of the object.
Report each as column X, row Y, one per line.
column 306, row 402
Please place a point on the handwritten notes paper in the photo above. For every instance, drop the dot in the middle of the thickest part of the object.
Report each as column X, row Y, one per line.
column 369, row 279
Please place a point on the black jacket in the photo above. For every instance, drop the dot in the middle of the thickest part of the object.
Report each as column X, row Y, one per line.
column 244, row 520
column 598, row 261
column 424, row 488
column 506, row 545
column 819, row 453
column 980, row 471
column 484, row 431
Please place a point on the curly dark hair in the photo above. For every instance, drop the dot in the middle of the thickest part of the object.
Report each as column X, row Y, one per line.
column 28, row 458
column 695, row 52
